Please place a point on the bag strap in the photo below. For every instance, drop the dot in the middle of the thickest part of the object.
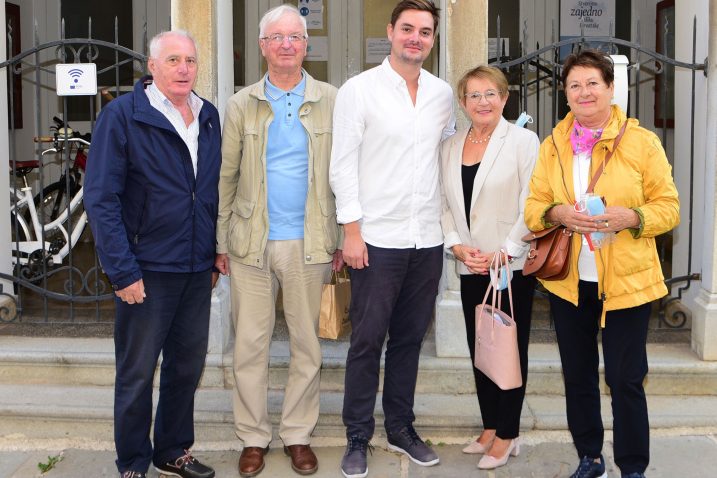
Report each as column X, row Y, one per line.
column 601, row 168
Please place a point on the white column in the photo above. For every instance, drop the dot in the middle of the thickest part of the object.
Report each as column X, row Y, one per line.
column 5, row 238
column 210, row 23
column 465, row 33
column 704, row 321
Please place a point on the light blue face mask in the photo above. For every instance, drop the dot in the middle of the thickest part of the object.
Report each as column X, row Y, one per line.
column 523, row 119
column 505, row 275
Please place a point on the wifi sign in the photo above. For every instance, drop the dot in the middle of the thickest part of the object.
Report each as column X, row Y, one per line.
column 74, row 79
column 75, row 73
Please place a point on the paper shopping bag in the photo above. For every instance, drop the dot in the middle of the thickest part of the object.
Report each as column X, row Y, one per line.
column 335, row 301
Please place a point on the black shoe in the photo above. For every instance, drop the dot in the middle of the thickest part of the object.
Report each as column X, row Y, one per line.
column 133, row 474
column 354, row 463
column 186, row 466
column 407, row 441
column 633, row 475
column 589, row 468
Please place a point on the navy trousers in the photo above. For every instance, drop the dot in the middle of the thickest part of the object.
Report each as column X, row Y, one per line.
column 395, row 295
column 625, row 356
column 500, row 409
column 173, row 320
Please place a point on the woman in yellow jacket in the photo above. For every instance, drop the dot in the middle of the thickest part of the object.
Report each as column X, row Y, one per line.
column 610, row 285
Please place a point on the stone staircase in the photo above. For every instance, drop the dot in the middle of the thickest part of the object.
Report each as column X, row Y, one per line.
column 63, row 387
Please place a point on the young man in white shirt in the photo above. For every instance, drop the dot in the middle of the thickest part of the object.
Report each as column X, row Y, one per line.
column 388, row 125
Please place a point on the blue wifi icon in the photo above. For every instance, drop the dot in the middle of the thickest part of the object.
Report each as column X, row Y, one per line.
column 76, row 73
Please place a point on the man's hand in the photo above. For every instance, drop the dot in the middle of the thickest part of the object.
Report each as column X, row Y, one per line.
column 221, row 262
column 133, row 293
column 355, row 253
column 337, row 263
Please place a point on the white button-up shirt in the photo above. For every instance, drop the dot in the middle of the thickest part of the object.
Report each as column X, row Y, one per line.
column 189, row 134
column 384, row 158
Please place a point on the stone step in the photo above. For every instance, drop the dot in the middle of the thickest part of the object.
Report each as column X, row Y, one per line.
column 674, row 368
column 41, row 411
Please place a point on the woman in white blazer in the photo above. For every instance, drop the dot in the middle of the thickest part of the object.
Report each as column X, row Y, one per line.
column 485, row 171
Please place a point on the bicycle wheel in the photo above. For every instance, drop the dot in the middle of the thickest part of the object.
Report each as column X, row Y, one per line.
column 54, row 199
column 53, row 202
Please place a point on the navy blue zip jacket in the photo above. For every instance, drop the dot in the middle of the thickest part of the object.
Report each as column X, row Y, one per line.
column 145, row 207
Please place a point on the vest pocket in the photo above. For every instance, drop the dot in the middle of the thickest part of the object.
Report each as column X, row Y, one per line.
column 328, row 222
column 240, row 227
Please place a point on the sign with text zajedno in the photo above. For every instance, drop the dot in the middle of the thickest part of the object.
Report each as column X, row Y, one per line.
column 586, row 17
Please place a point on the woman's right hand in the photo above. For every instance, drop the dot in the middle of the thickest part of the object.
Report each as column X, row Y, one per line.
column 471, row 257
column 567, row 216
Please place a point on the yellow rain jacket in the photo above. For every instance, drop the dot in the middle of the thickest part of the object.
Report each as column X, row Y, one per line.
column 637, row 176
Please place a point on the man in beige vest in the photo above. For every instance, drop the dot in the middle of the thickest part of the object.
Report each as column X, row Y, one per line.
column 277, row 228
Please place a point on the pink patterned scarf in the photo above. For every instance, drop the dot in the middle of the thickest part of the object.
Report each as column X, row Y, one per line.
column 583, row 139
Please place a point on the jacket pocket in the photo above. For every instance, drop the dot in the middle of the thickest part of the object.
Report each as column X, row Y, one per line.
column 240, row 227
column 140, row 220
column 329, row 224
column 635, row 255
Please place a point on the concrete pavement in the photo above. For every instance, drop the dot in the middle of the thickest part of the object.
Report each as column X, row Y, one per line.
column 676, row 453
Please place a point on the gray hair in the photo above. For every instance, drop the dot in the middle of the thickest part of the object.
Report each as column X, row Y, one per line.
column 276, row 13
column 155, row 42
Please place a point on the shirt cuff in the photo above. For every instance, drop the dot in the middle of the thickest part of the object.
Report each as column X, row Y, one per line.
column 351, row 212
column 451, row 239
column 515, row 250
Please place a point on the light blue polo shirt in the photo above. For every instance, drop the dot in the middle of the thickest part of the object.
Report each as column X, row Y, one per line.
column 287, row 163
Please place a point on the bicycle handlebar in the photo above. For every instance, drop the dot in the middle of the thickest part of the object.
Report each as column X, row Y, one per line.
column 77, row 138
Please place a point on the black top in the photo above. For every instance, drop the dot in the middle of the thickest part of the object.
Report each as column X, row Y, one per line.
column 468, row 175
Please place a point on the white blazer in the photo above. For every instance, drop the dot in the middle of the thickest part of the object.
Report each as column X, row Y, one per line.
column 500, row 189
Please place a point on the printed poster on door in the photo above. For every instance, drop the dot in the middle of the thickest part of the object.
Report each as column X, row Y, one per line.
column 589, row 18
column 313, row 11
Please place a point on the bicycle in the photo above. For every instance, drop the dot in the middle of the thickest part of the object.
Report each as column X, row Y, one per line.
column 39, row 244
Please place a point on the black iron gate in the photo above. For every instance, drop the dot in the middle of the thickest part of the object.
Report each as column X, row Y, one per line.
column 56, row 275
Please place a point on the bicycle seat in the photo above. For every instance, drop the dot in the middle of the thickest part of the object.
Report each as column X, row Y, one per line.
column 22, row 168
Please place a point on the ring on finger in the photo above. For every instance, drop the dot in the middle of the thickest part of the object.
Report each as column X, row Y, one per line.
column 577, row 228
column 606, row 224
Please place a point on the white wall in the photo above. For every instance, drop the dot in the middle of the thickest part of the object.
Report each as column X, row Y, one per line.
column 686, row 11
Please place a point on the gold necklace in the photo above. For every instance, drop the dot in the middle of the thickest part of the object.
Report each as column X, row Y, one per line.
column 477, row 140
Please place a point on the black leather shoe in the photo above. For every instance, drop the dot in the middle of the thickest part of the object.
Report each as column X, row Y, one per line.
column 186, row 466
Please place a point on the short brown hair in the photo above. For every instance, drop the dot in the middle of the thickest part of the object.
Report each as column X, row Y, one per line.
column 422, row 5
column 482, row 72
column 589, row 58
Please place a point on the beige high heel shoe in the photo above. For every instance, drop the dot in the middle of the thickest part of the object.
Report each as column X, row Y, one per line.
column 489, row 462
column 475, row 448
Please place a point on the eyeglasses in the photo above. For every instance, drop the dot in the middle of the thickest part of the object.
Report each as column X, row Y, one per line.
column 278, row 38
column 490, row 95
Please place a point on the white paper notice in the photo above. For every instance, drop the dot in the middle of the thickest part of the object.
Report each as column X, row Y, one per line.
column 377, row 49
column 313, row 11
column 318, row 49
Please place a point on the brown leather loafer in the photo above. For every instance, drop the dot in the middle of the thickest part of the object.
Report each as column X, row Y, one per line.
column 251, row 461
column 303, row 460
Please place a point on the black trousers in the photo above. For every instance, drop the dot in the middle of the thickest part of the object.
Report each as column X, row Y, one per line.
column 395, row 295
column 500, row 409
column 173, row 320
column 624, row 351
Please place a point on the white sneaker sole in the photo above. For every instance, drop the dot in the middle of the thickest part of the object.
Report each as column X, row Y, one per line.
column 356, row 475
column 421, row 463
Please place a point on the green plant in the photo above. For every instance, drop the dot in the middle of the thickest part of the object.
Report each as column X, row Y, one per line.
column 51, row 462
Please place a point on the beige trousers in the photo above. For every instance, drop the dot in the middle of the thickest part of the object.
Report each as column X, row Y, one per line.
column 254, row 293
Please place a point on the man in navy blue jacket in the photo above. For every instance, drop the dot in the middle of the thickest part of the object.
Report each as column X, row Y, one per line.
column 151, row 196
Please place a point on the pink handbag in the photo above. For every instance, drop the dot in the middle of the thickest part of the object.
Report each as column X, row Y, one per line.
column 496, row 341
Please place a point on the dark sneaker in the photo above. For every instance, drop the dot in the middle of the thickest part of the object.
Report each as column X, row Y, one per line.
column 354, row 464
column 407, row 441
column 633, row 475
column 133, row 474
column 588, row 468
column 186, row 466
